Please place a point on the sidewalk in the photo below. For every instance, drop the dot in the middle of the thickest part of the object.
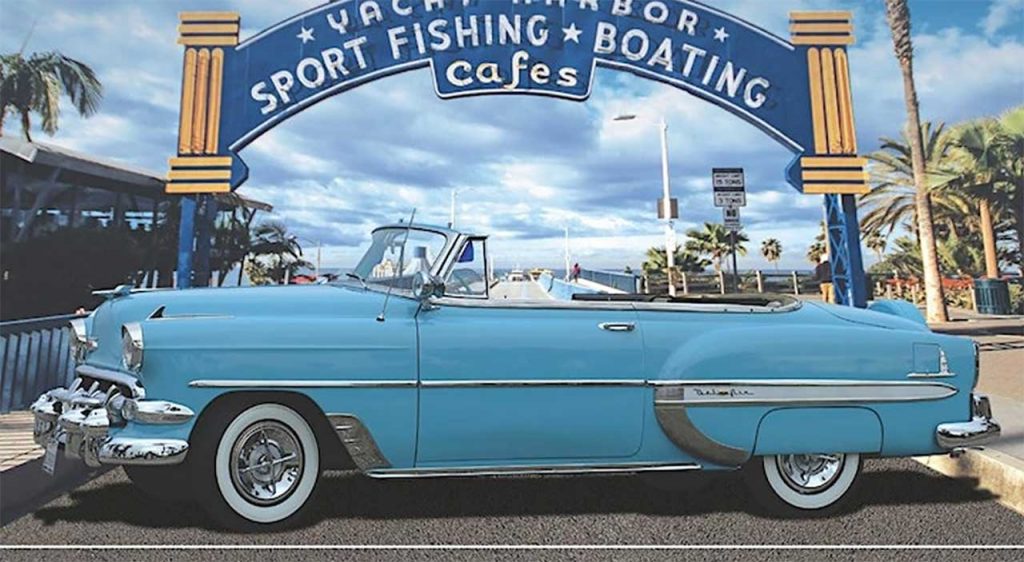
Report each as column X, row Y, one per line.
column 16, row 445
column 1000, row 466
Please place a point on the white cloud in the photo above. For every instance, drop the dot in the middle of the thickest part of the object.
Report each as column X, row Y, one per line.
column 534, row 165
column 1002, row 13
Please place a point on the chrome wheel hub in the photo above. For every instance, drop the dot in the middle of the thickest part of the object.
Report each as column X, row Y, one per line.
column 266, row 463
column 810, row 474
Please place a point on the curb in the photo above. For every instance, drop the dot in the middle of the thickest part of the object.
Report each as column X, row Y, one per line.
column 994, row 471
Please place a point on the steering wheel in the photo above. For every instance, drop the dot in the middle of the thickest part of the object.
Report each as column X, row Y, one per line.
column 465, row 279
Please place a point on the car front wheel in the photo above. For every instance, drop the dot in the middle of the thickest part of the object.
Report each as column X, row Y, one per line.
column 805, row 485
column 260, row 466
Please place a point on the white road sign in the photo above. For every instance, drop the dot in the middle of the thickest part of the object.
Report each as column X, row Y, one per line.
column 729, row 187
column 731, row 218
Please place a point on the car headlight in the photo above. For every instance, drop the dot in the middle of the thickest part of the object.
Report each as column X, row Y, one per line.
column 81, row 345
column 131, row 346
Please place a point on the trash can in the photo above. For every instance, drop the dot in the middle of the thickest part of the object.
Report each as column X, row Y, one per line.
column 992, row 296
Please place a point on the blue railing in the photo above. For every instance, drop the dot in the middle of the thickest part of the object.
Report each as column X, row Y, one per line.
column 35, row 356
column 625, row 282
column 562, row 290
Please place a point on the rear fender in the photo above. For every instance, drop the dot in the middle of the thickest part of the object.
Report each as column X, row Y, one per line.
column 819, row 430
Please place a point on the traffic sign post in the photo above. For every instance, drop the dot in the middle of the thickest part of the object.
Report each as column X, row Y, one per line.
column 731, row 219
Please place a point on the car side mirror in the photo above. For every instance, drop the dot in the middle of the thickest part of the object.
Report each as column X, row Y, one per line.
column 426, row 286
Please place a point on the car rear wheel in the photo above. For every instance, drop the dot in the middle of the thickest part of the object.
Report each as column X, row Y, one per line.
column 806, row 485
column 260, row 466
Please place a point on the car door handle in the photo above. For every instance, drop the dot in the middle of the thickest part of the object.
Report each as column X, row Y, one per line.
column 617, row 326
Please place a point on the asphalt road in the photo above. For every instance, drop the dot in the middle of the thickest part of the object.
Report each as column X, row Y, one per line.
column 898, row 502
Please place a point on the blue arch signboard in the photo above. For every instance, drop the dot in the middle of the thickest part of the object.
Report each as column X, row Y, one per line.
column 796, row 91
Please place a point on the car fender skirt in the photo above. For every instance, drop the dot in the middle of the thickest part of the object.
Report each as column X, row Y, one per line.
column 676, row 424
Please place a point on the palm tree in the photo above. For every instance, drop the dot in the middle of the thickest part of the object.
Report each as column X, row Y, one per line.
column 898, row 14
column 771, row 249
column 892, row 200
column 875, row 242
column 713, row 242
column 819, row 247
column 272, row 242
column 232, row 243
column 657, row 261
column 980, row 160
column 1011, row 142
column 36, row 84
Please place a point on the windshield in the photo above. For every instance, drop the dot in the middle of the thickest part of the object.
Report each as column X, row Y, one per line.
column 387, row 262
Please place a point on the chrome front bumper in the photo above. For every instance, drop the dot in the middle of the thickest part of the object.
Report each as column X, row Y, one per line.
column 80, row 418
column 980, row 430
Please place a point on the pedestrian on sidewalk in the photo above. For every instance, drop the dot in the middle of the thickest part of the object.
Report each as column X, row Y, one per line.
column 823, row 275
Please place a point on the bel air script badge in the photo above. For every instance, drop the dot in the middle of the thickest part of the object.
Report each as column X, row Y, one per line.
column 722, row 392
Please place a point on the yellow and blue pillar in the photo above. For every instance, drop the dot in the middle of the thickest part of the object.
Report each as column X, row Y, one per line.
column 202, row 166
column 833, row 168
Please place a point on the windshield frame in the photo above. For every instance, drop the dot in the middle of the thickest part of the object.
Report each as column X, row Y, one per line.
column 440, row 262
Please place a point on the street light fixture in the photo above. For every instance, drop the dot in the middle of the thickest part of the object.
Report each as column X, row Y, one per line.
column 666, row 201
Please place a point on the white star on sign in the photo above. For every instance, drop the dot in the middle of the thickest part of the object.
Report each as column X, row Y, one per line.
column 571, row 33
column 306, row 35
column 721, row 35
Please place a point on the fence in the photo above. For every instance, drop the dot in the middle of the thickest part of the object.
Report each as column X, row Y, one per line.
column 625, row 282
column 35, row 356
column 787, row 282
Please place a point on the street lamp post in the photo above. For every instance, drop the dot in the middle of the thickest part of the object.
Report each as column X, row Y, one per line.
column 451, row 210
column 666, row 203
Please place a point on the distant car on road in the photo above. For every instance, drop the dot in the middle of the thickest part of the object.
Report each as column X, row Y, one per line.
column 240, row 398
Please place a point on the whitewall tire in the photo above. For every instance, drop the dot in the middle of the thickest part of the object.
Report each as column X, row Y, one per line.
column 262, row 466
column 803, row 485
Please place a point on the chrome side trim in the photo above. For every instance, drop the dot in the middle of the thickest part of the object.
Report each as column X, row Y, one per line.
column 939, row 375
column 746, row 392
column 678, row 427
column 612, row 305
column 691, row 392
column 530, row 382
column 358, row 441
column 282, row 383
column 149, row 452
column 113, row 376
column 626, row 468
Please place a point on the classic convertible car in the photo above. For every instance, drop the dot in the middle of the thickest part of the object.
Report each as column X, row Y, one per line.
column 241, row 398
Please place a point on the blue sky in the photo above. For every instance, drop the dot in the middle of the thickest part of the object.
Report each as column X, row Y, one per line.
column 526, row 166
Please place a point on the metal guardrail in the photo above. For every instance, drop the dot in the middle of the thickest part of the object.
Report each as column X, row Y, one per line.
column 625, row 282
column 35, row 356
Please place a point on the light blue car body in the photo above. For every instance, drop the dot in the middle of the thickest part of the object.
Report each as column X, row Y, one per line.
column 461, row 383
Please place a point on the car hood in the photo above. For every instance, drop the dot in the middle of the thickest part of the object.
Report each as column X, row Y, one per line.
column 104, row 324
column 870, row 317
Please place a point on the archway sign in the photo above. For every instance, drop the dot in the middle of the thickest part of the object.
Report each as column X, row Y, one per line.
column 797, row 91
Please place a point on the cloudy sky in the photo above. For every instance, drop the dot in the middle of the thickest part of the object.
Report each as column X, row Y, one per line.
column 526, row 167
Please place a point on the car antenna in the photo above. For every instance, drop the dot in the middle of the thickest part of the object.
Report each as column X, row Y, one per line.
column 401, row 265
